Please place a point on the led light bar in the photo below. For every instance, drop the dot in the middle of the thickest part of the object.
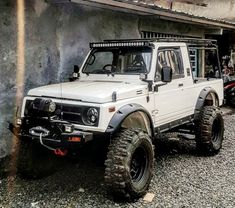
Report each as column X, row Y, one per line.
column 120, row 44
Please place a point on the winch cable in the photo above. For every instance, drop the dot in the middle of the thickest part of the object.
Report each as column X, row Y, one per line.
column 41, row 142
column 57, row 151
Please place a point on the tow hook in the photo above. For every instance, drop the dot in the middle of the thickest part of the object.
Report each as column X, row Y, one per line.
column 60, row 152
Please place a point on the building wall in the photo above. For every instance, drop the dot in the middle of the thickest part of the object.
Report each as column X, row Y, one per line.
column 152, row 24
column 57, row 37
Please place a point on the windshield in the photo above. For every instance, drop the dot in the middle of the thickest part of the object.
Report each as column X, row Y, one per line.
column 118, row 61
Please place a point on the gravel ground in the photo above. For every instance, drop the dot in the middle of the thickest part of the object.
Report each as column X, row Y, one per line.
column 182, row 179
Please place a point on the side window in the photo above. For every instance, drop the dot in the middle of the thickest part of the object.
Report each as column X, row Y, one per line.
column 171, row 58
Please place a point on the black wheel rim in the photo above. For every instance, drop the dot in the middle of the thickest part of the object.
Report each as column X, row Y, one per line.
column 216, row 130
column 138, row 164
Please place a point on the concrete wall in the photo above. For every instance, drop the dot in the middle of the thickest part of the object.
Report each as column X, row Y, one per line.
column 151, row 24
column 7, row 67
column 57, row 37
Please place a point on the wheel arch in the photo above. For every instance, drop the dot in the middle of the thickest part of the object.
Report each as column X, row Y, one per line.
column 207, row 97
column 131, row 114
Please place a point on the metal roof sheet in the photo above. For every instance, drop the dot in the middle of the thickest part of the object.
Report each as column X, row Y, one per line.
column 149, row 7
column 152, row 4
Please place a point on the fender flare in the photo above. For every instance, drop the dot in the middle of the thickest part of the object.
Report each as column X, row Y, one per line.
column 201, row 100
column 123, row 113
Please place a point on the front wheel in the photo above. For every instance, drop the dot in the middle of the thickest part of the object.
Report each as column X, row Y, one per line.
column 33, row 160
column 129, row 164
column 210, row 130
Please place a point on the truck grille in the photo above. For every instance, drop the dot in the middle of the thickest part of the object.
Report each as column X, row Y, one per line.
column 69, row 113
column 66, row 112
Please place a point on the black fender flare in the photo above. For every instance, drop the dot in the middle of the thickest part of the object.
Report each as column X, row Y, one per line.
column 201, row 100
column 123, row 113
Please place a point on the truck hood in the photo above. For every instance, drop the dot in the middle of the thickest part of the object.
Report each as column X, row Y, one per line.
column 91, row 91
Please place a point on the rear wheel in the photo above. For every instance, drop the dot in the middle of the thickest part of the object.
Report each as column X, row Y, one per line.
column 210, row 130
column 129, row 164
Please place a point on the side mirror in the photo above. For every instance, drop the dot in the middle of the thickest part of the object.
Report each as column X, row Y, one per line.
column 75, row 74
column 166, row 74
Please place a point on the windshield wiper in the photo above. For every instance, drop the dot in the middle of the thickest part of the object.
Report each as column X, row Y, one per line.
column 100, row 71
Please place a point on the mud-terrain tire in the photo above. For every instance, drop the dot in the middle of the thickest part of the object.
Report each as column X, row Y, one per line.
column 129, row 164
column 33, row 161
column 209, row 131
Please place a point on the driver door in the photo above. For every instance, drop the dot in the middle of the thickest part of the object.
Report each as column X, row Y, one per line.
column 170, row 98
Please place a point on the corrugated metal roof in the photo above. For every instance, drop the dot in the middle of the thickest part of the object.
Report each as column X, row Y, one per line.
column 149, row 7
column 153, row 5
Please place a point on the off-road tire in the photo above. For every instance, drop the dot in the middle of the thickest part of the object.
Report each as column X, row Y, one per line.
column 124, row 157
column 33, row 161
column 209, row 130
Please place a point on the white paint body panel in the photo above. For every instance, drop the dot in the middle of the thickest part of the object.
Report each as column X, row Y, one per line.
column 89, row 90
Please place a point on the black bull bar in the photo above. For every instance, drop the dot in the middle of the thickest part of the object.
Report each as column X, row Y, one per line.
column 50, row 134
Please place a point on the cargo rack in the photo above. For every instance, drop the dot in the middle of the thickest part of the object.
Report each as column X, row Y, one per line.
column 172, row 39
column 191, row 42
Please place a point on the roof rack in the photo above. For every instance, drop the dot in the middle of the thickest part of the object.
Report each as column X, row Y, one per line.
column 189, row 41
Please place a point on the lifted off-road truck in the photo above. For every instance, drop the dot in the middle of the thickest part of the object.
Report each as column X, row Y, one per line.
column 130, row 92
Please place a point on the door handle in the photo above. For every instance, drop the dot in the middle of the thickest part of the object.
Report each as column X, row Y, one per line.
column 181, row 85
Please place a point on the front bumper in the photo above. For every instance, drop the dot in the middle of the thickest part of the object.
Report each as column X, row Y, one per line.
column 50, row 134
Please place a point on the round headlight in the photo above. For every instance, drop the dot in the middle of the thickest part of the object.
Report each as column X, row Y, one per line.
column 52, row 107
column 91, row 116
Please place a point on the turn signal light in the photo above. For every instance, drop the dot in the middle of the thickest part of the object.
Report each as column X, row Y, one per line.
column 18, row 121
column 112, row 109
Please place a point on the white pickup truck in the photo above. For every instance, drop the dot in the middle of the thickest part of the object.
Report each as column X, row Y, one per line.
column 129, row 91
